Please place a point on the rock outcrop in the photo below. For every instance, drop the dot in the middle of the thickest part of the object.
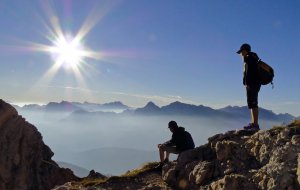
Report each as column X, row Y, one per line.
column 148, row 177
column 264, row 160
column 236, row 160
column 25, row 161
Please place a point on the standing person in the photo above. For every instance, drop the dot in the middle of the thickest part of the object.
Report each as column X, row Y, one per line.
column 252, row 83
column 181, row 141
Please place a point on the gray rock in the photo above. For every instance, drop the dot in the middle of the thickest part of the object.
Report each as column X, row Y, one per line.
column 25, row 161
column 298, row 169
column 266, row 160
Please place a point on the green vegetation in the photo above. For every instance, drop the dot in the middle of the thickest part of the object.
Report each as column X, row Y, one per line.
column 130, row 174
column 295, row 123
column 275, row 128
column 92, row 182
column 146, row 167
column 294, row 128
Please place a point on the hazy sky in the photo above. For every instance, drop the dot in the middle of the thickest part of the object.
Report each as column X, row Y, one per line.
column 137, row 51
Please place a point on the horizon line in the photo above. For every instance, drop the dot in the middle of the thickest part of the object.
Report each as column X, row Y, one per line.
column 22, row 104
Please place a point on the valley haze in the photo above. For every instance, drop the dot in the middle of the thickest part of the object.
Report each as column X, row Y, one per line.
column 113, row 138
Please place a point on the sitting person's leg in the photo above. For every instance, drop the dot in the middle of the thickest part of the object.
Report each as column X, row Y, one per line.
column 161, row 152
column 164, row 152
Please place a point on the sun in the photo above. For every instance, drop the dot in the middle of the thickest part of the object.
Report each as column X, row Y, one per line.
column 68, row 51
column 66, row 47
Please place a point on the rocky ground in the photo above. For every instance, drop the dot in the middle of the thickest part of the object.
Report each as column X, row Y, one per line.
column 25, row 161
column 236, row 160
column 146, row 178
column 248, row 160
column 266, row 160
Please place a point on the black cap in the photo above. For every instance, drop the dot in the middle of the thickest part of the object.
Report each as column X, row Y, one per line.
column 246, row 47
column 172, row 124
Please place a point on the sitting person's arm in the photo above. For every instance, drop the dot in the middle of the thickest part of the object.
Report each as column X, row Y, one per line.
column 167, row 143
column 170, row 142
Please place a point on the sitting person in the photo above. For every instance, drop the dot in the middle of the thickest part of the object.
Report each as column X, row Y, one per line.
column 181, row 141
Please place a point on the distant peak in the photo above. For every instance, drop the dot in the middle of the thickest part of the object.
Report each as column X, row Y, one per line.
column 114, row 103
column 151, row 104
column 65, row 102
column 62, row 102
column 179, row 103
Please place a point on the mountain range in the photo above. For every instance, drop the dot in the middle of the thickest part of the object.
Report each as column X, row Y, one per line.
column 236, row 159
column 78, row 171
column 123, row 159
column 151, row 109
column 66, row 106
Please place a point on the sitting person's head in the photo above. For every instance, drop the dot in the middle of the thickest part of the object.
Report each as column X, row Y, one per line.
column 172, row 126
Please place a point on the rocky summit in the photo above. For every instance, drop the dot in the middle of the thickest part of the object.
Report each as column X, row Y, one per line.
column 236, row 160
column 266, row 160
column 25, row 161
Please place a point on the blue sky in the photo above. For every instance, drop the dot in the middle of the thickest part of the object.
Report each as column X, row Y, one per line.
column 160, row 51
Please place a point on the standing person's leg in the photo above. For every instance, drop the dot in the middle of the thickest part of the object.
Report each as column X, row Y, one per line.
column 254, row 115
column 252, row 101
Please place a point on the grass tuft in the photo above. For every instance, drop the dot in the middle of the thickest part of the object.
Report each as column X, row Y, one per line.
column 146, row 167
column 295, row 123
column 274, row 128
column 130, row 174
column 92, row 182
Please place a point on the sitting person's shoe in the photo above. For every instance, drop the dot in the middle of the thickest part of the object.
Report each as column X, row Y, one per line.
column 159, row 166
column 166, row 161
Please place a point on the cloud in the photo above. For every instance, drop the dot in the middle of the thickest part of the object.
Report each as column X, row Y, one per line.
column 290, row 103
column 158, row 99
column 163, row 99
column 70, row 88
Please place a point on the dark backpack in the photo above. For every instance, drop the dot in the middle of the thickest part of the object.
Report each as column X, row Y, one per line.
column 189, row 140
column 265, row 72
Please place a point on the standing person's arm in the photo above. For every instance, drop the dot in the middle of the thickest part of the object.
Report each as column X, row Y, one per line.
column 244, row 74
column 252, row 69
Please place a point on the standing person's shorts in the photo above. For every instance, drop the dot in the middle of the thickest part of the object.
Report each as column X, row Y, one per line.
column 252, row 96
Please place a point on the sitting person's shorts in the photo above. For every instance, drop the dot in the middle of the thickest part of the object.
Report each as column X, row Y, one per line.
column 170, row 149
column 252, row 96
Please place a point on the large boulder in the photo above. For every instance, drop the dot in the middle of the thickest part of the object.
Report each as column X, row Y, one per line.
column 25, row 161
column 266, row 160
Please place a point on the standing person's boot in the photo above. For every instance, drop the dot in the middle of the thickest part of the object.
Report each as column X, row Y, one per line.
column 252, row 126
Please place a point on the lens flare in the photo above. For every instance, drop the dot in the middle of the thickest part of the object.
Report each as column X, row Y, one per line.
column 66, row 48
column 68, row 51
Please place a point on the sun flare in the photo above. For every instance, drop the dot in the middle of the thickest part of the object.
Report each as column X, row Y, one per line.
column 66, row 47
column 67, row 51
